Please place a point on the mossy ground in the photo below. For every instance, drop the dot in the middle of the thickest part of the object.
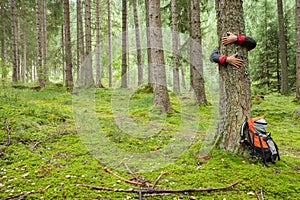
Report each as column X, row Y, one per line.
column 47, row 150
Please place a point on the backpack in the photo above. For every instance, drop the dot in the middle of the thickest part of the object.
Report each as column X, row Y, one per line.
column 258, row 140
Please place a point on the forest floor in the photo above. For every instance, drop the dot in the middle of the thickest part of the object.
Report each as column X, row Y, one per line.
column 45, row 152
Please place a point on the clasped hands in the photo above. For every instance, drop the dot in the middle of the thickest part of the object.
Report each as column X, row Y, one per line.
column 232, row 60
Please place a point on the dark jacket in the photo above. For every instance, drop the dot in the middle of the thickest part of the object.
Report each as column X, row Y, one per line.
column 242, row 40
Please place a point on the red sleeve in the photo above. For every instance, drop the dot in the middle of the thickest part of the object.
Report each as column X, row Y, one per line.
column 222, row 59
column 241, row 39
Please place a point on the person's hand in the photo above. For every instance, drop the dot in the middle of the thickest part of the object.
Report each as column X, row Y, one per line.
column 232, row 60
column 229, row 39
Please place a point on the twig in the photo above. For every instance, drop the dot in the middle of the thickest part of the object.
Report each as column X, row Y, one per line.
column 152, row 195
column 24, row 194
column 8, row 133
column 128, row 169
column 127, row 181
column 158, row 178
column 262, row 194
column 157, row 191
column 257, row 196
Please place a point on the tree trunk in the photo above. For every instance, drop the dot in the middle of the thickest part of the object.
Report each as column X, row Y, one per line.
column 4, row 45
column 175, row 40
column 68, row 56
column 150, row 66
column 39, row 45
column 160, row 91
column 298, row 49
column 14, row 42
column 138, row 43
column 98, row 59
column 196, row 62
column 80, row 38
column 44, row 30
column 124, row 44
column 63, row 51
column 24, row 66
column 283, row 51
column 235, row 93
column 110, row 42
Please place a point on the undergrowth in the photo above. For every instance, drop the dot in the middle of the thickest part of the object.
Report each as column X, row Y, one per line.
column 46, row 150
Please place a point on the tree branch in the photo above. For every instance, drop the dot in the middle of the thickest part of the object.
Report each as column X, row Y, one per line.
column 24, row 194
column 158, row 178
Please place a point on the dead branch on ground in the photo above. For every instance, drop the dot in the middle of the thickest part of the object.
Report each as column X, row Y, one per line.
column 158, row 178
column 25, row 194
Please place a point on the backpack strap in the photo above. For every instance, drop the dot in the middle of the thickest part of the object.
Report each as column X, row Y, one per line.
column 263, row 152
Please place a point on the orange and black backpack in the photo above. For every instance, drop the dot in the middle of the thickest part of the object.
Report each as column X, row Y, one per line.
column 258, row 140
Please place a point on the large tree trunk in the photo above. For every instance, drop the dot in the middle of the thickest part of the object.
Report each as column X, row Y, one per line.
column 14, row 42
column 3, row 41
column 160, row 91
column 24, row 66
column 150, row 66
column 110, row 42
column 44, row 30
column 196, row 62
column 138, row 43
column 98, row 59
column 235, row 93
column 68, row 56
column 175, row 39
column 124, row 44
column 80, row 38
column 63, row 50
column 39, row 45
column 283, row 51
column 298, row 49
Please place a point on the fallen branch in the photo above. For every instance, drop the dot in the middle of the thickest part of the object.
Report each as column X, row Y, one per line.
column 257, row 196
column 128, row 169
column 157, row 191
column 158, row 178
column 24, row 194
column 128, row 181
column 8, row 133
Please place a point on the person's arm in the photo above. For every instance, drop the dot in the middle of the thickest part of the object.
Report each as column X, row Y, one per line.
column 222, row 59
column 242, row 40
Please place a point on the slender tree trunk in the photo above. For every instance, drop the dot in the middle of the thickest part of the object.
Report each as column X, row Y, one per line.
column 14, row 42
column 44, row 30
column 63, row 51
column 69, row 75
column 196, row 54
column 235, row 93
column 175, row 38
column 160, row 91
column 24, row 66
column 150, row 64
column 124, row 44
column 4, row 45
column 18, row 31
column 298, row 49
column 80, row 38
column 110, row 42
column 39, row 45
column 283, row 51
column 138, row 43
column 98, row 50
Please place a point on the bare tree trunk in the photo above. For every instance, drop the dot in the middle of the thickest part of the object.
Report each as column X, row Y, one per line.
column 39, row 45
column 14, row 42
column 124, row 44
column 235, row 93
column 298, row 49
column 138, row 43
column 110, row 42
column 4, row 45
column 63, row 51
column 150, row 66
column 98, row 59
column 18, row 31
column 283, row 51
column 24, row 66
column 80, row 38
column 160, row 91
column 44, row 30
column 196, row 62
column 175, row 38
column 69, row 75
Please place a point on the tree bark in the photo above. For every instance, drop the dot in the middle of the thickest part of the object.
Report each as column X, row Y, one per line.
column 44, row 33
column 110, row 42
column 196, row 60
column 39, row 45
column 63, row 51
column 80, row 38
column 150, row 66
column 138, row 43
column 175, row 39
column 14, row 42
column 98, row 50
column 4, row 45
column 124, row 44
column 24, row 66
column 160, row 91
column 68, row 56
column 235, row 93
column 298, row 49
